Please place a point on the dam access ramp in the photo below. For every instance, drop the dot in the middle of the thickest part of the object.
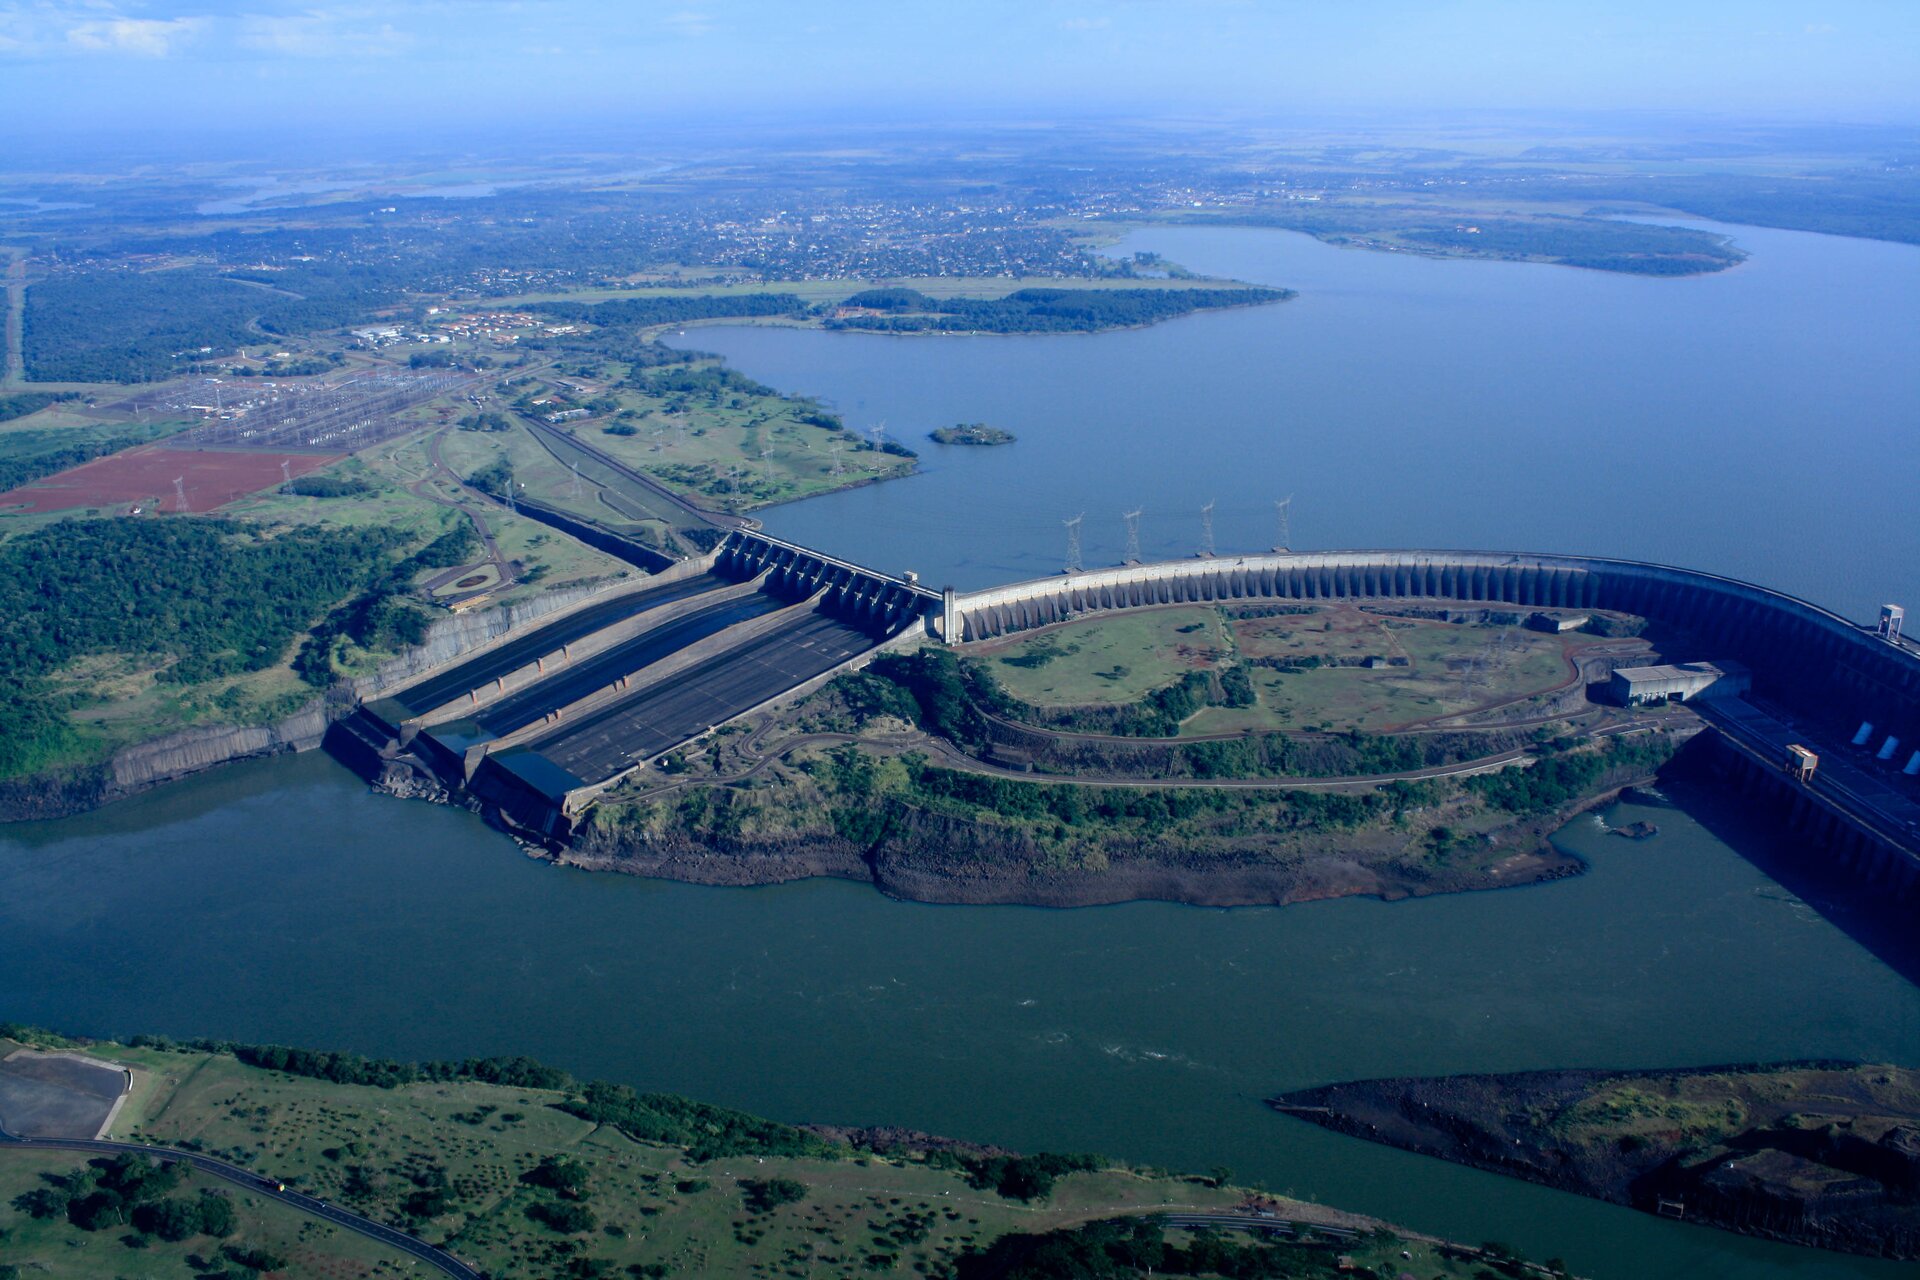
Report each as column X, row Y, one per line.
column 547, row 716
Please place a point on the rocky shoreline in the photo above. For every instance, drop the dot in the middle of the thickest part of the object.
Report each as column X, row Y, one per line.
column 1821, row 1153
column 951, row 863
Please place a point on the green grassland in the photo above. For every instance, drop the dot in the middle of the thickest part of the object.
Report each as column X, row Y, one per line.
column 1110, row 660
column 725, row 442
column 1440, row 668
column 454, row 1162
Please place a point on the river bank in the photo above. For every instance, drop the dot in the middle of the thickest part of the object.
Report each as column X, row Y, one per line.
column 1814, row 1153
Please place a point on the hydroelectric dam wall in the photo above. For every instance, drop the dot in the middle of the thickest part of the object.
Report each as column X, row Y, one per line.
column 1797, row 648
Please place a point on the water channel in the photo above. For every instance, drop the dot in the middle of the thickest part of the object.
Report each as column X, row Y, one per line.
column 278, row 900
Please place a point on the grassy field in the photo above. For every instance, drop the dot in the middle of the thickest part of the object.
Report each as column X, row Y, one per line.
column 1438, row 668
column 375, row 1149
column 1450, row 668
column 1111, row 660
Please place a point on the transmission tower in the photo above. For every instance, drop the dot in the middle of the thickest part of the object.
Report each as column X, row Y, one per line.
column 1133, row 535
column 286, row 472
column 179, row 493
column 1283, row 510
column 1206, row 531
column 837, row 469
column 576, row 477
column 1073, row 542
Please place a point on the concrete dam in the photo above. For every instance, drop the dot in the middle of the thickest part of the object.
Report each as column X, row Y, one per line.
column 545, row 718
column 542, row 720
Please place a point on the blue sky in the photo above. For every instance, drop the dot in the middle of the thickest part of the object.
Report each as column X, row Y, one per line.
column 89, row 63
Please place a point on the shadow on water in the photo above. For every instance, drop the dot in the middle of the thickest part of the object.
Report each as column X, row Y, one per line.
column 1872, row 917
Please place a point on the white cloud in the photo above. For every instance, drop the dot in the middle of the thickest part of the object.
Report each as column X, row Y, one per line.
column 320, row 34
column 1086, row 24
column 144, row 37
column 688, row 22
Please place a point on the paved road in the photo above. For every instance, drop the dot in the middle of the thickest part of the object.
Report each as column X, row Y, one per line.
column 260, row 1186
column 685, row 505
column 708, row 693
column 16, row 368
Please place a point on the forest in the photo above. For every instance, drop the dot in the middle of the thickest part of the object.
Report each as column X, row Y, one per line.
column 101, row 326
column 1040, row 310
column 199, row 599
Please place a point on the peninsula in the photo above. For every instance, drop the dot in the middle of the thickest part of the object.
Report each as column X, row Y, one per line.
column 1815, row 1153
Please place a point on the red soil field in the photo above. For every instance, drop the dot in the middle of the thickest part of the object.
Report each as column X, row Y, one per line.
column 212, row 478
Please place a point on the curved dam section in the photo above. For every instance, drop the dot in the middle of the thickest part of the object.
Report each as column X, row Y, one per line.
column 1822, row 662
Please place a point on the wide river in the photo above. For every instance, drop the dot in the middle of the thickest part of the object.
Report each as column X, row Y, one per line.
column 1752, row 422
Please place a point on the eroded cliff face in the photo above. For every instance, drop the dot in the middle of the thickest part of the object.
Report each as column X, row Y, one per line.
column 188, row 751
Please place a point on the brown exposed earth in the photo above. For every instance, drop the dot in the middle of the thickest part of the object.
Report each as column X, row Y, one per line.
column 210, row 478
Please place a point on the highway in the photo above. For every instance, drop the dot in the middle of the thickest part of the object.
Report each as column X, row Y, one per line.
column 575, row 681
column 262, row 1186
column 440, row 689
column 708, row 693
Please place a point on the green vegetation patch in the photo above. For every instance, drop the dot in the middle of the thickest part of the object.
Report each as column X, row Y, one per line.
column 1037, row 310
column 99, row 326
column 1109, row 660
column 971, row 433
column 193, row 599
column 670, row 309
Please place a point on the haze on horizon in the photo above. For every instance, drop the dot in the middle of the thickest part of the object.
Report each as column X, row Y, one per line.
column 72, row 67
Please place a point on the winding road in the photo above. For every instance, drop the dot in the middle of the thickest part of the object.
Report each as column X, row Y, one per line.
column 273, row 1190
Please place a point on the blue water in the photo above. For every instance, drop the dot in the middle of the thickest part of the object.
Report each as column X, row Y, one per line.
column 1757, row 422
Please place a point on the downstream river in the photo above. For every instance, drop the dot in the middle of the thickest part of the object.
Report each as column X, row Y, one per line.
column 1745, row 423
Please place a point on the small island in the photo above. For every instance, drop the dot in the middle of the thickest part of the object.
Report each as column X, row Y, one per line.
column 973, row 433
column 1815, row 1153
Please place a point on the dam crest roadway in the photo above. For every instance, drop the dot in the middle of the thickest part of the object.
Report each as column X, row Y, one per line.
column 541, row 720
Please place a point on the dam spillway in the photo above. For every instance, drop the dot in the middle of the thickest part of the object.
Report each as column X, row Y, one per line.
column 577, row 703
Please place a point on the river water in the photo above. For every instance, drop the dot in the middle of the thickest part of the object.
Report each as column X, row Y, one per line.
column 278, row 900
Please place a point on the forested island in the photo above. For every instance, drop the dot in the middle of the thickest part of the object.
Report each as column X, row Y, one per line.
column 971, row 433
column 1815, row 1153
column 520, row 1170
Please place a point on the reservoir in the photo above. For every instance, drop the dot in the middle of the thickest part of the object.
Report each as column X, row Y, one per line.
column 1748, row 423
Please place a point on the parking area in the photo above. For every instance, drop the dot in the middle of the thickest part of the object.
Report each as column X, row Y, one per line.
column 58, row 1095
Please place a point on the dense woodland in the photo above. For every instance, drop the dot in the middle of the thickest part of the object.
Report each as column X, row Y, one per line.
column 198, row 599
column 125, row 326
column 1039, row 310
